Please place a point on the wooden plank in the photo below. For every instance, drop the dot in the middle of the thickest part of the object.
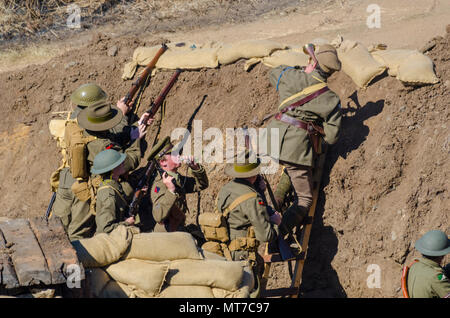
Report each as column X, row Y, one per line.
column 306, row 232
column 55, row 245
column 26, row 255
column 279, row 292
column 8, row 278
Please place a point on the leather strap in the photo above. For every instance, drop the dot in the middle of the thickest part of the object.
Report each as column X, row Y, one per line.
column 309, row 127
column 305, row 99
column 238, row 201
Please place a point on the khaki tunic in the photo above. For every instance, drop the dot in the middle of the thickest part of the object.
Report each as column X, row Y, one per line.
column 252, row 212
column 169, row 209
column 74, row 213
column 426, row 279
column 111, row 206
column 324, row 110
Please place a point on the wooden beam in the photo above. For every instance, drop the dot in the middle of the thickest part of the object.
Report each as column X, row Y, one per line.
column 56, row 247
column 26, row 255
column 8, row 276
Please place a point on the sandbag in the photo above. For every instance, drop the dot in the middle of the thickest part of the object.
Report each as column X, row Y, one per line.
column 145, row 275
column 230, row 53
column 188, row 56
column 186, row 292
column 163, row 246
column 247, row 285
column 358, row 63
column 392, row 59
column 192, row 60
column 417, row 69
column 103, row 249
column 214, row 273
column 286, row 57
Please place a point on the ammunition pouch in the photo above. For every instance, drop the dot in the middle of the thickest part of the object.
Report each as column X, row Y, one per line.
column 76, row 149
column 94, row 185
column 214, row 227
column 215, row 230
column 81, row 190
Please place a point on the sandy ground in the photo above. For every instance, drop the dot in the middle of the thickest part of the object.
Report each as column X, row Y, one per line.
column 403, row 24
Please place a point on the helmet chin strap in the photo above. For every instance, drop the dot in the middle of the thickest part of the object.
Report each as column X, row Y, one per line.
column 308, row 49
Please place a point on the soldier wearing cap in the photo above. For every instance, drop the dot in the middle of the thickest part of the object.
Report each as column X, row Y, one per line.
column 97, row 125
column 308, row 113
column 246, row 213
column 111, row 205
column 426, row 278
column 168, row 192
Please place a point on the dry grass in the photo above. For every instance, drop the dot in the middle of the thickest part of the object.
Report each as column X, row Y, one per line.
column 22, row 17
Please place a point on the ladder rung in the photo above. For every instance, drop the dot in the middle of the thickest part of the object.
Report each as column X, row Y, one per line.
column 279, row 292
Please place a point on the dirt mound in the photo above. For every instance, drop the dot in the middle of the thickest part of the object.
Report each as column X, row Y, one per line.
column 386, row 179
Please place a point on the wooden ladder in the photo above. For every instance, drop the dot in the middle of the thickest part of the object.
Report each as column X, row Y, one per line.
column 298, row 263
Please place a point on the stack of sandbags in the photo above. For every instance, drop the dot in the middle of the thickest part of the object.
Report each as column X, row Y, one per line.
column 358, row 63
column 166, row 265
column 195, row 56
column 409, row 66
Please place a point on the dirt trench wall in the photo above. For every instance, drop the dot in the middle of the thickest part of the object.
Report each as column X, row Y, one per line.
column 388, row 175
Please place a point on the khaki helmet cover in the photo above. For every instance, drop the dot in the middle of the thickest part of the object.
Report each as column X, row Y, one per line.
column 327, row 58
column 88, row 94
column 100, row 116
column 246, row 168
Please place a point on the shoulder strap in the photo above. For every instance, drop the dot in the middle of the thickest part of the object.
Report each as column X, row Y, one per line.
column 115, row 190
column 238, row 201
column 306, row 91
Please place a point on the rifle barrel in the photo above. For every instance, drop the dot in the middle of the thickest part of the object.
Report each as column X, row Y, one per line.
column 141, row 80
column 49, row 209
column 155, row 105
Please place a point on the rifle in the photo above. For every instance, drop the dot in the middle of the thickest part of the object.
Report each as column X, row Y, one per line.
column 143, row 77
column 152, row 165
column 154, row 106
column 283, row 247
column 49, row 209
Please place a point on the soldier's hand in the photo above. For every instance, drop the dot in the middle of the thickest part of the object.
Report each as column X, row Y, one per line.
column 168, row 181
column 122, row 106
column 130, row 220
column 190, row 161
column 276, row 218
column 145, row 120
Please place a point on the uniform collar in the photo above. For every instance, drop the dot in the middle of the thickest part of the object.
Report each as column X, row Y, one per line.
column 428, row 262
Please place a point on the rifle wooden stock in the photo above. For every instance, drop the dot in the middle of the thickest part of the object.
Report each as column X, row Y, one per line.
column 156, row 104
column 144, row 181
column 141, row 80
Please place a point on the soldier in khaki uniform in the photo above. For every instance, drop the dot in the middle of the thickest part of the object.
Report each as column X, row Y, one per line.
column 426, row 278
column 103, row 128
column 168, row 192
column 111, row 203
column 308, row 111
column 248, row 220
